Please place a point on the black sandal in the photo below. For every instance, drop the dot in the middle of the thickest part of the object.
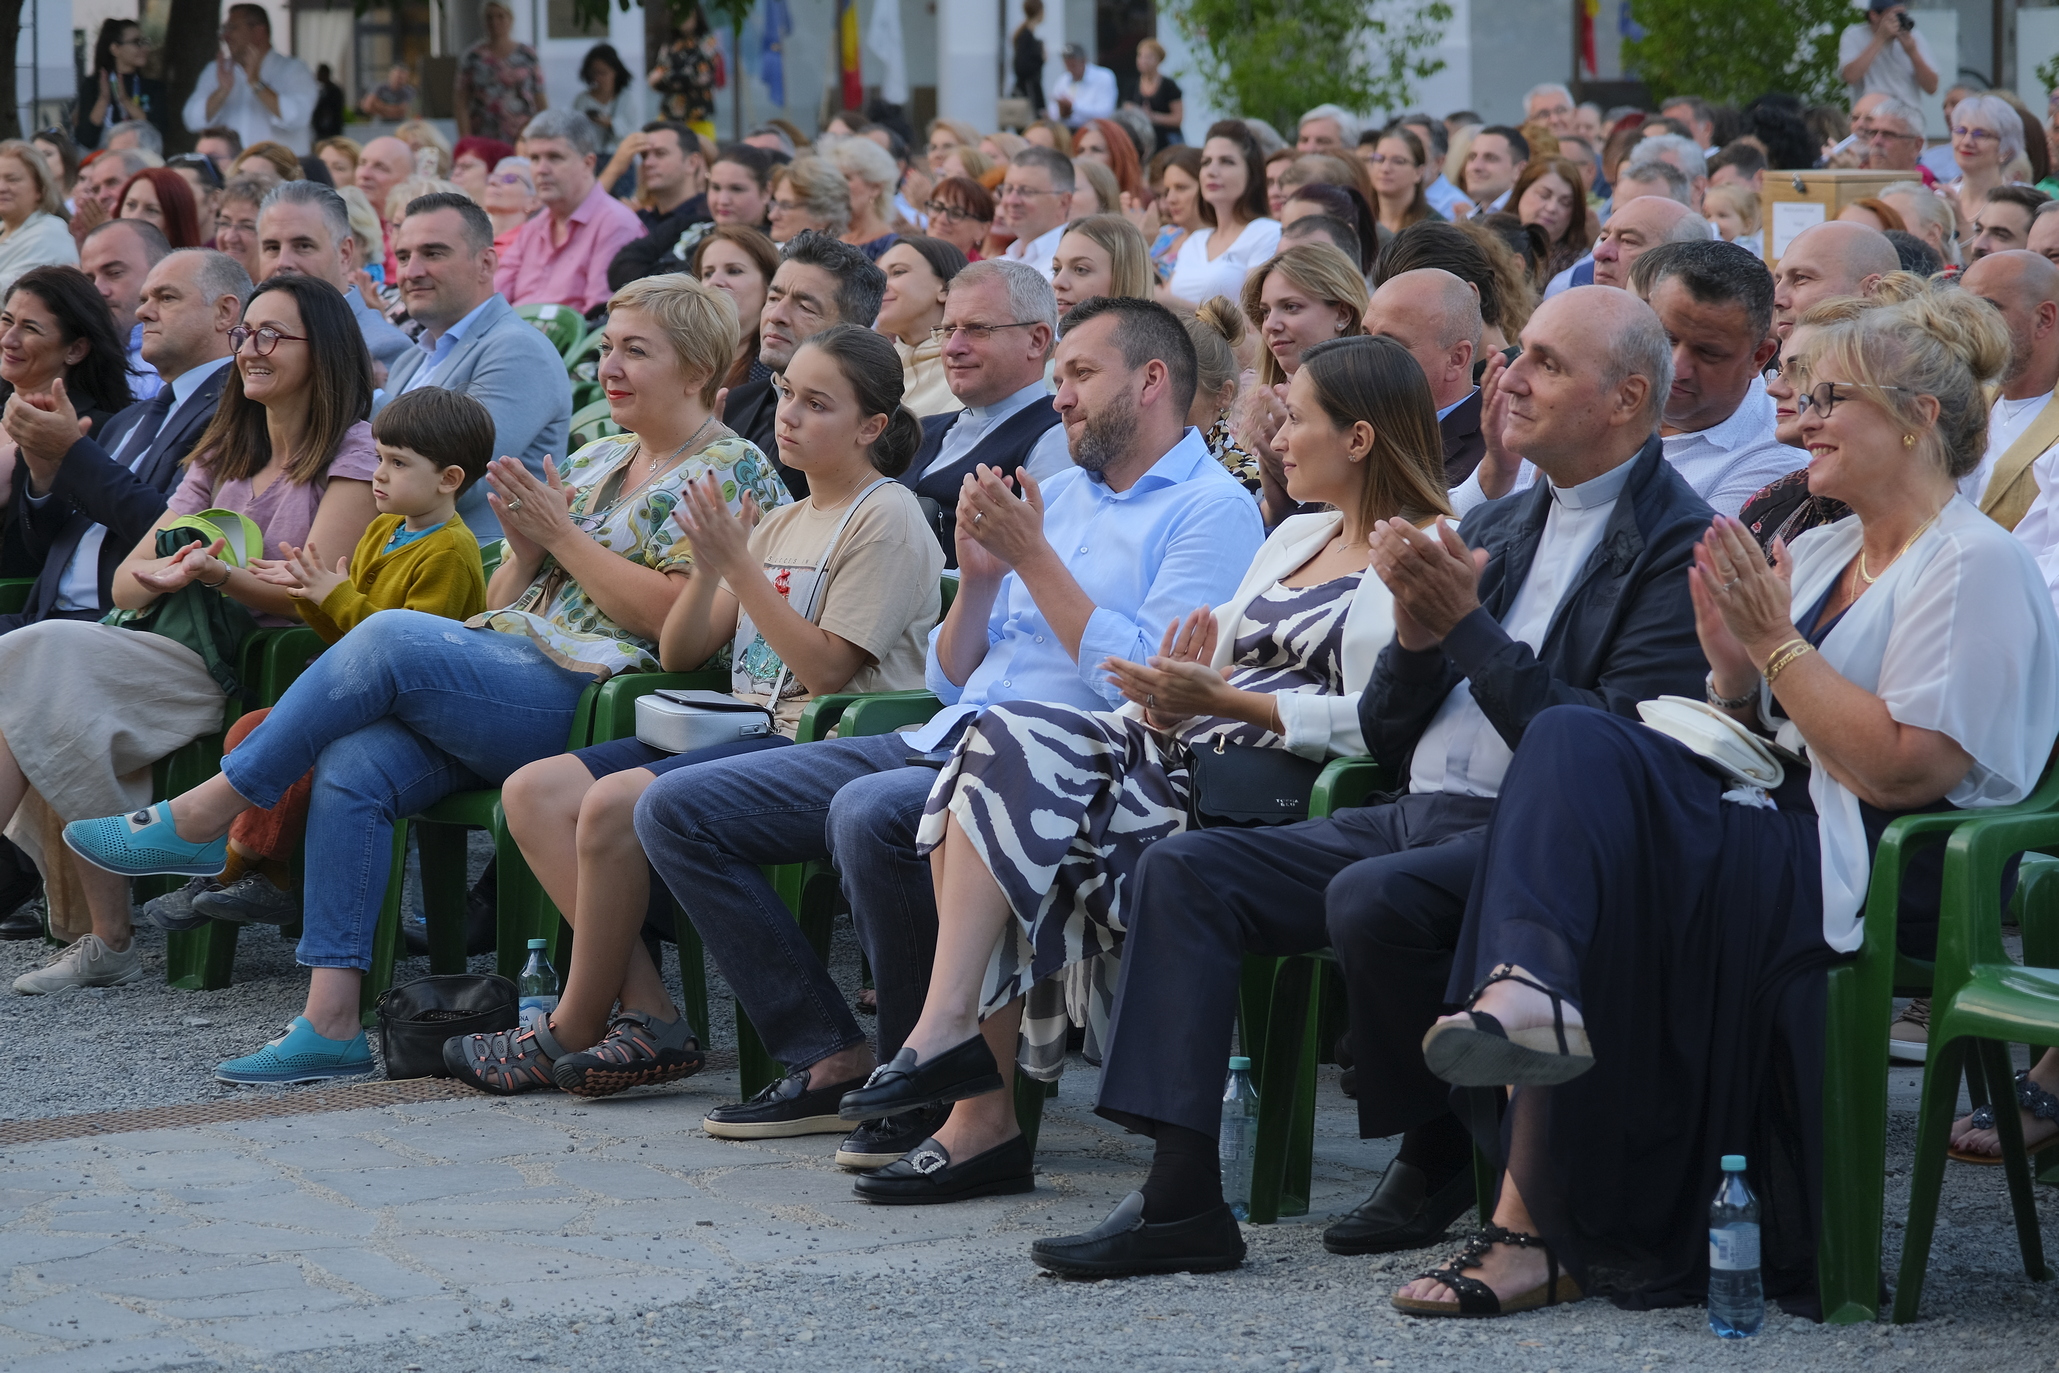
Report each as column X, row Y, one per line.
column 1475, row 1298
column 2035, row 1100
column 1483, row 1054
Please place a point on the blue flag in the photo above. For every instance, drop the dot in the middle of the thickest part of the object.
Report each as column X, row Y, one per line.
column 771, row 63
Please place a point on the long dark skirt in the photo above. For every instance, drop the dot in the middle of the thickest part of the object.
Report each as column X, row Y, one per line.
column 1689, row 931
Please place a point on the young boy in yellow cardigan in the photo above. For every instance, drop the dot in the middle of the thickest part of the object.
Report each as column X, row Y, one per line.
column 415, row 555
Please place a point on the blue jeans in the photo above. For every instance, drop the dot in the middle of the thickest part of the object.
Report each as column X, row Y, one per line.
column 707, row 830
column 407, row 709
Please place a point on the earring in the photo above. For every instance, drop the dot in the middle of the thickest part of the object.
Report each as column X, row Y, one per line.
column 1908, row 440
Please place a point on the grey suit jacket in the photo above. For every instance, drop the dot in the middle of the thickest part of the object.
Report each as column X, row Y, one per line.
column 382, row 340
column 507, row 365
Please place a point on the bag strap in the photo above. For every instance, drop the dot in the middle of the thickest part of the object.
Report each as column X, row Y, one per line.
column 814, row 608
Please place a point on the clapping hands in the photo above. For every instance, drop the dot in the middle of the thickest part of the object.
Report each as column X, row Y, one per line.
column 301, row 573
column 1178, row 683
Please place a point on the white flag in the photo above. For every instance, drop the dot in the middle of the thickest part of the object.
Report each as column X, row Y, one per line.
column 883, row 38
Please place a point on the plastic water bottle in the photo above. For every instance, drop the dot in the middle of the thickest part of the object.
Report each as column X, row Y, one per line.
column 1737, row 1302
column 538, row 983
column 1239, row 1139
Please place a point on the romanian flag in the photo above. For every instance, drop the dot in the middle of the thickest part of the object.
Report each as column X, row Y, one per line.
column 1588, row 10
column 847, row 54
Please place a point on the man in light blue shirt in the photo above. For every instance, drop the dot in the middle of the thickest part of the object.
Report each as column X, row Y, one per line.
column 1091, row 565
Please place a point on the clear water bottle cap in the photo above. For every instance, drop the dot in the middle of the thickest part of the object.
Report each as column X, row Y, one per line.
column 1240, row 1064
column 539, row 943
column 1733, row 1163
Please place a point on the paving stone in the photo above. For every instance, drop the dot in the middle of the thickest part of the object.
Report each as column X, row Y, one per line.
column 125, row 1356
column 621, row 1179
column 376, row 1273
column 77, row 1315
column 300, row 1215
column 329, row 1330
column 420, row 1182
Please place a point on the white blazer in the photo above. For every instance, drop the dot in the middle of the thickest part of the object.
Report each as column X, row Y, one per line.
column 1317, row 726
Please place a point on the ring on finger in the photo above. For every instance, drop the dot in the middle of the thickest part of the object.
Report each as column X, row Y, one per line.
column 514, row 505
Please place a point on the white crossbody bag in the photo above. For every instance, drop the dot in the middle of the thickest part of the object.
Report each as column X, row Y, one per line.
column 684, row 721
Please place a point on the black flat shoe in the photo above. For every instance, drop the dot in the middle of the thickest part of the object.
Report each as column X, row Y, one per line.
column 1481, row 1052
column 1126, row 1245
column 23, row 922
column 1402, row 1213
column 961, row 1071
column 928, row 1177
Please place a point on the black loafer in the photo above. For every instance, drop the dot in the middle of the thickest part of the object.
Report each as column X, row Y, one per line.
column 1402, row 1213
column 961, row 1071
column 877, row 1143
column 784, row 1110
column 1126, row 1245
column 928, row 1177
column 23, row 922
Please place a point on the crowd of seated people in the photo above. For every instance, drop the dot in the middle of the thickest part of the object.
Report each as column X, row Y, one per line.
column 1232, row 463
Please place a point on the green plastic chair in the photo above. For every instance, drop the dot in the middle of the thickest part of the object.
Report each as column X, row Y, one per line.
column 14, row 594
column 592, row 422
column 1980, row 999
column 583, row 359
column 561, row 324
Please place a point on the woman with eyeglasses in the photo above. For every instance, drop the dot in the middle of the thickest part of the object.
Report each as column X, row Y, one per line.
column 919, row 270
column 1987, row 135
column 235, row 223
column 1394, row 164
column 1648, row 947
column 961, row 212
column 510, row 199
column 117, row 91
column 407, row 708
column 809, row 193
column 89, row 707
column 1237, row 233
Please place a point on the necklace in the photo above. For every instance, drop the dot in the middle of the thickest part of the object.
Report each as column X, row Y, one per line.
column 1867, row 577
column 659, row 469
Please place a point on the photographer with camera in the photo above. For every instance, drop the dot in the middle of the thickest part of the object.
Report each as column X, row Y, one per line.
column 1886, row 55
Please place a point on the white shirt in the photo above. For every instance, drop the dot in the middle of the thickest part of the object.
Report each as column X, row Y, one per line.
column 1040, row 252
column 1048, row 457
column 288, row 77
column 1442, row 196
column 1729, row 462
column 2006, row 423
column 79, row 587
column 2039, row 528
column 1461, row 753
column 144, row 382
column 1092, row 96
column 1194, row 278
column 1891, row 72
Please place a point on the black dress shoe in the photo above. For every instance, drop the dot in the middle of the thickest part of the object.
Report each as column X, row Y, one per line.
column 1402, row 1213
column 961, row 1071
column 877, row 1143
column 24, row 922
column 928, row 1177
column 1125, row 1245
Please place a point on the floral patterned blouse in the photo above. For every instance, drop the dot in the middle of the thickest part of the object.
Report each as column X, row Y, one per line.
column 1222, row 446
column 500, row 94
column 686, row 92
column 557, row 615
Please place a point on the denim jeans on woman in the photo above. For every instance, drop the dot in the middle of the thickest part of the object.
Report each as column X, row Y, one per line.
column 407, row 709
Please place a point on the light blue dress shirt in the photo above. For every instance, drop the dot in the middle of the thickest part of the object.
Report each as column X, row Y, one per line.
column 1179, row 538
column 443, row 347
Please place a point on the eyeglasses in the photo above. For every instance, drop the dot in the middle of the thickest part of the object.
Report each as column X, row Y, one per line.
column 977, row 333
column 950, row 214
column 1977, row 135
column 787, row 207
column 262, row 340
column 506, row 179
column 1025, row 192
column 1775, row 366
column 1825, row 397
column 242, row 226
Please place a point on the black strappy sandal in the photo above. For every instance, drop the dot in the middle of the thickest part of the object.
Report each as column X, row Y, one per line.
column 1483, row 1054
column 1476, row 1300
column 2036, row 1102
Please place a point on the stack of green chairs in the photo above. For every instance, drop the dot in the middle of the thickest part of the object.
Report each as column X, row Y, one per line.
column 561, row 324
column 593, row 421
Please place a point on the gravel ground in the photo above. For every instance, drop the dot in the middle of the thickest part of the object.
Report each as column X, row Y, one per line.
column 1292, row 1306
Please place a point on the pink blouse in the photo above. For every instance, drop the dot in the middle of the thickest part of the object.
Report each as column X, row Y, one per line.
column 283, row 510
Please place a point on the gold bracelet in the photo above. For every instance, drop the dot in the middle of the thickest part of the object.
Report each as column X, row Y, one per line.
column 1790, row 653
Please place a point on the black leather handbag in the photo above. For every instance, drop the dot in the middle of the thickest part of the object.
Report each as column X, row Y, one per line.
column 416, row 1018
column 1248, row 786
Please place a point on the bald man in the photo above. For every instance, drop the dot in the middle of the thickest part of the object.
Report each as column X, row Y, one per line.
column 384, row 164
column 1655, row 181
column 2019, row 466
column 1436, row 316
column 1638, row 227
column 1835, row 259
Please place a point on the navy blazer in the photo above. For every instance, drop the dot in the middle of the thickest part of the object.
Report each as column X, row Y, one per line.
column 1624, row 632
column 92, row 488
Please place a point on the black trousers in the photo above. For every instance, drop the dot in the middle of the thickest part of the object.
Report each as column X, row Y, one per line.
column 1384, row 886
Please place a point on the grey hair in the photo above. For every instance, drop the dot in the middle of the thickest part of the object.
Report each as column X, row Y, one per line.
column 335, row 213
column 1665, row 173
column 1346, row 122
column 1267, row 137
column 2002, row 115
column 134, row 160
column 147, row 136
column 1545, row 88
column 1640, row 348
column 1932, row 209
column 1030, row 300
column 1056, row 163
column 786, row 142
column 244, row 190
column 574, row 128
column 1895, row 108
column 1690, row 228
column 1654, row 149
column 518, row 166
column 821, row 189
column 216, row 273
column 861, row 157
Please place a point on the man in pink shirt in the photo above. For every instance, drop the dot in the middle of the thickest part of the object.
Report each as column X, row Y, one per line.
column 561, row 257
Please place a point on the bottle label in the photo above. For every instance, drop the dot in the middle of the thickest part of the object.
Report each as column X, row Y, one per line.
column 1734, row 1248
column 531, row 1007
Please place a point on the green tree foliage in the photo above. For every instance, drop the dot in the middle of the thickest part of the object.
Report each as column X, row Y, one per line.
column 1730, row 51
column 1272, row 59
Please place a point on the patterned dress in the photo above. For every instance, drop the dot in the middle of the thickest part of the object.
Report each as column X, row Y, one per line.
column 686, row 92
column 1059, row 802
column 501, row 94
